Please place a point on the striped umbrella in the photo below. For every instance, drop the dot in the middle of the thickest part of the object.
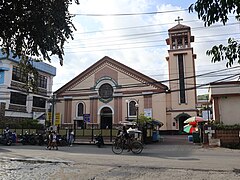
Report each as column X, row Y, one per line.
column 195, row 119
column 189, row 128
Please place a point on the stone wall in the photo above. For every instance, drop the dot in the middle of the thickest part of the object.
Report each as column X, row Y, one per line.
column 228, row 136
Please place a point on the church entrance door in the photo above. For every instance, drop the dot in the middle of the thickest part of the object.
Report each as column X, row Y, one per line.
column 106, row 118
column 181, row 122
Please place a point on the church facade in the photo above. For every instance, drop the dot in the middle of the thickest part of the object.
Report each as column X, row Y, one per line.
column 109, row 92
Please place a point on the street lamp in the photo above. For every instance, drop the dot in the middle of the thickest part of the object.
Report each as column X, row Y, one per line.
column 127, row 108
column 137, row 106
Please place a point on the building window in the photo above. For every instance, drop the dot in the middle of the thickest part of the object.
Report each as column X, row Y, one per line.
column 106, row 91
column 18, row 98
column 80, row 109
column 39, row 102
column 42, row 81
column 132, row 108
column 18, row 75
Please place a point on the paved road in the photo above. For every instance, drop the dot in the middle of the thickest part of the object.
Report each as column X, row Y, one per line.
column 175, row 158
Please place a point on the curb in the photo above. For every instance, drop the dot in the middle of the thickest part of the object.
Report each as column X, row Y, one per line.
column 91, row 143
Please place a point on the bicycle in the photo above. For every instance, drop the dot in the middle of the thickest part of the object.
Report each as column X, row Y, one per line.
column 120, row 144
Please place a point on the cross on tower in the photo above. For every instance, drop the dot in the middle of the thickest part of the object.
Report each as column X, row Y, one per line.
column 178, row 19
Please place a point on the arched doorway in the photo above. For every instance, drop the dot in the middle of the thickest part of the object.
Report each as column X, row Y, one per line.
column 180, row 119
column 106, row 118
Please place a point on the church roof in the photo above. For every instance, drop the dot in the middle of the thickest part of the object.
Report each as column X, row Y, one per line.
column 123, row 68
column 179, row 27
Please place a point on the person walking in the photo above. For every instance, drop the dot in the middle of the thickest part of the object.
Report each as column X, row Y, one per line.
column 50, row 137
column 14, row 137
column 54, row 141
column 71, row 138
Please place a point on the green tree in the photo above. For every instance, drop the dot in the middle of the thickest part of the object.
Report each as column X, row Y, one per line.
column 143, row 119
column 212, row 11
column 35, row 28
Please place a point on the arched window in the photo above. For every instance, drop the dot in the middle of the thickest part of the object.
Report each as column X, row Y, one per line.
column 132, row 108
column 80, row 109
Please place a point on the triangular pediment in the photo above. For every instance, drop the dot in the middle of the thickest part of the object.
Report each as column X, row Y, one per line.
column 106, row 66
column 179, row 27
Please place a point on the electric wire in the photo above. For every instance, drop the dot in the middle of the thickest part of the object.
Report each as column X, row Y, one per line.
column 131, row 14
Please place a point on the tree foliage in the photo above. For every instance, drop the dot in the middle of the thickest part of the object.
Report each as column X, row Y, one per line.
column 35, row 27
column 212, row 11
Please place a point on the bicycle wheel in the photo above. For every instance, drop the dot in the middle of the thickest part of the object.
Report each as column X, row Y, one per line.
column 117, row 147
column 137, row 147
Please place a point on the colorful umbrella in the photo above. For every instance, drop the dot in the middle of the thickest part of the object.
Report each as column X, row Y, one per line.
column 195, row 119
column 189, row 128
column 194, row 123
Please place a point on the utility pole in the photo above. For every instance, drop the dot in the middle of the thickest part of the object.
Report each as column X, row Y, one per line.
column 53, row 107
column 127, row 108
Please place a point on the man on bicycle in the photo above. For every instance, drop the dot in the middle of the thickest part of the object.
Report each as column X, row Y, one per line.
column 127, row 137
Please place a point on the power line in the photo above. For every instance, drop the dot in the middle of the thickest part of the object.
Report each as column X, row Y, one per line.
column 133, row 27
column 174, row 90
column 166, row 31
column 164, row 81
column 131, row 14
column 216, row 73
column 171, row 90
column 134, row 43
column 128, row 48
column 144, row 36
column 207, row 74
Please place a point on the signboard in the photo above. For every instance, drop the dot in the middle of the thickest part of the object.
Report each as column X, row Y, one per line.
column 148, row 112
column 86, row 118
column 206, row 114
column 57, row 119
column 49, row 116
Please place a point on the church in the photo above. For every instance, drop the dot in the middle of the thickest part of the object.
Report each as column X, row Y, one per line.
column 109, row 92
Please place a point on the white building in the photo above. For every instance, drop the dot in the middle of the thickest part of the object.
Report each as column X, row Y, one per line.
column 16, row 101
column 225, row 98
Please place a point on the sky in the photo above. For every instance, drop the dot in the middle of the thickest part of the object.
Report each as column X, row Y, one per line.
column 138, row 41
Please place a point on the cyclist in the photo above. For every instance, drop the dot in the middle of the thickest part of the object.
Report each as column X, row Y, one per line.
column 126, row 137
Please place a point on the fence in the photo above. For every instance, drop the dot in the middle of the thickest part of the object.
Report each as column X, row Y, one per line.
column 80, row 134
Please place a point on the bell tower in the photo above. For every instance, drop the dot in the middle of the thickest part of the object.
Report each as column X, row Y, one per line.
column 181, row 65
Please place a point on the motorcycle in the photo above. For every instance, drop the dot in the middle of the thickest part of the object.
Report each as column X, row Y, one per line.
column 28, row 139
column 99, row 140
column 61, row 140
column 6, row 139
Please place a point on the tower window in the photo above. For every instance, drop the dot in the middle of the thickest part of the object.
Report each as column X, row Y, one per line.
column 179, row 42
column 186, row 41
column 181, row 79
